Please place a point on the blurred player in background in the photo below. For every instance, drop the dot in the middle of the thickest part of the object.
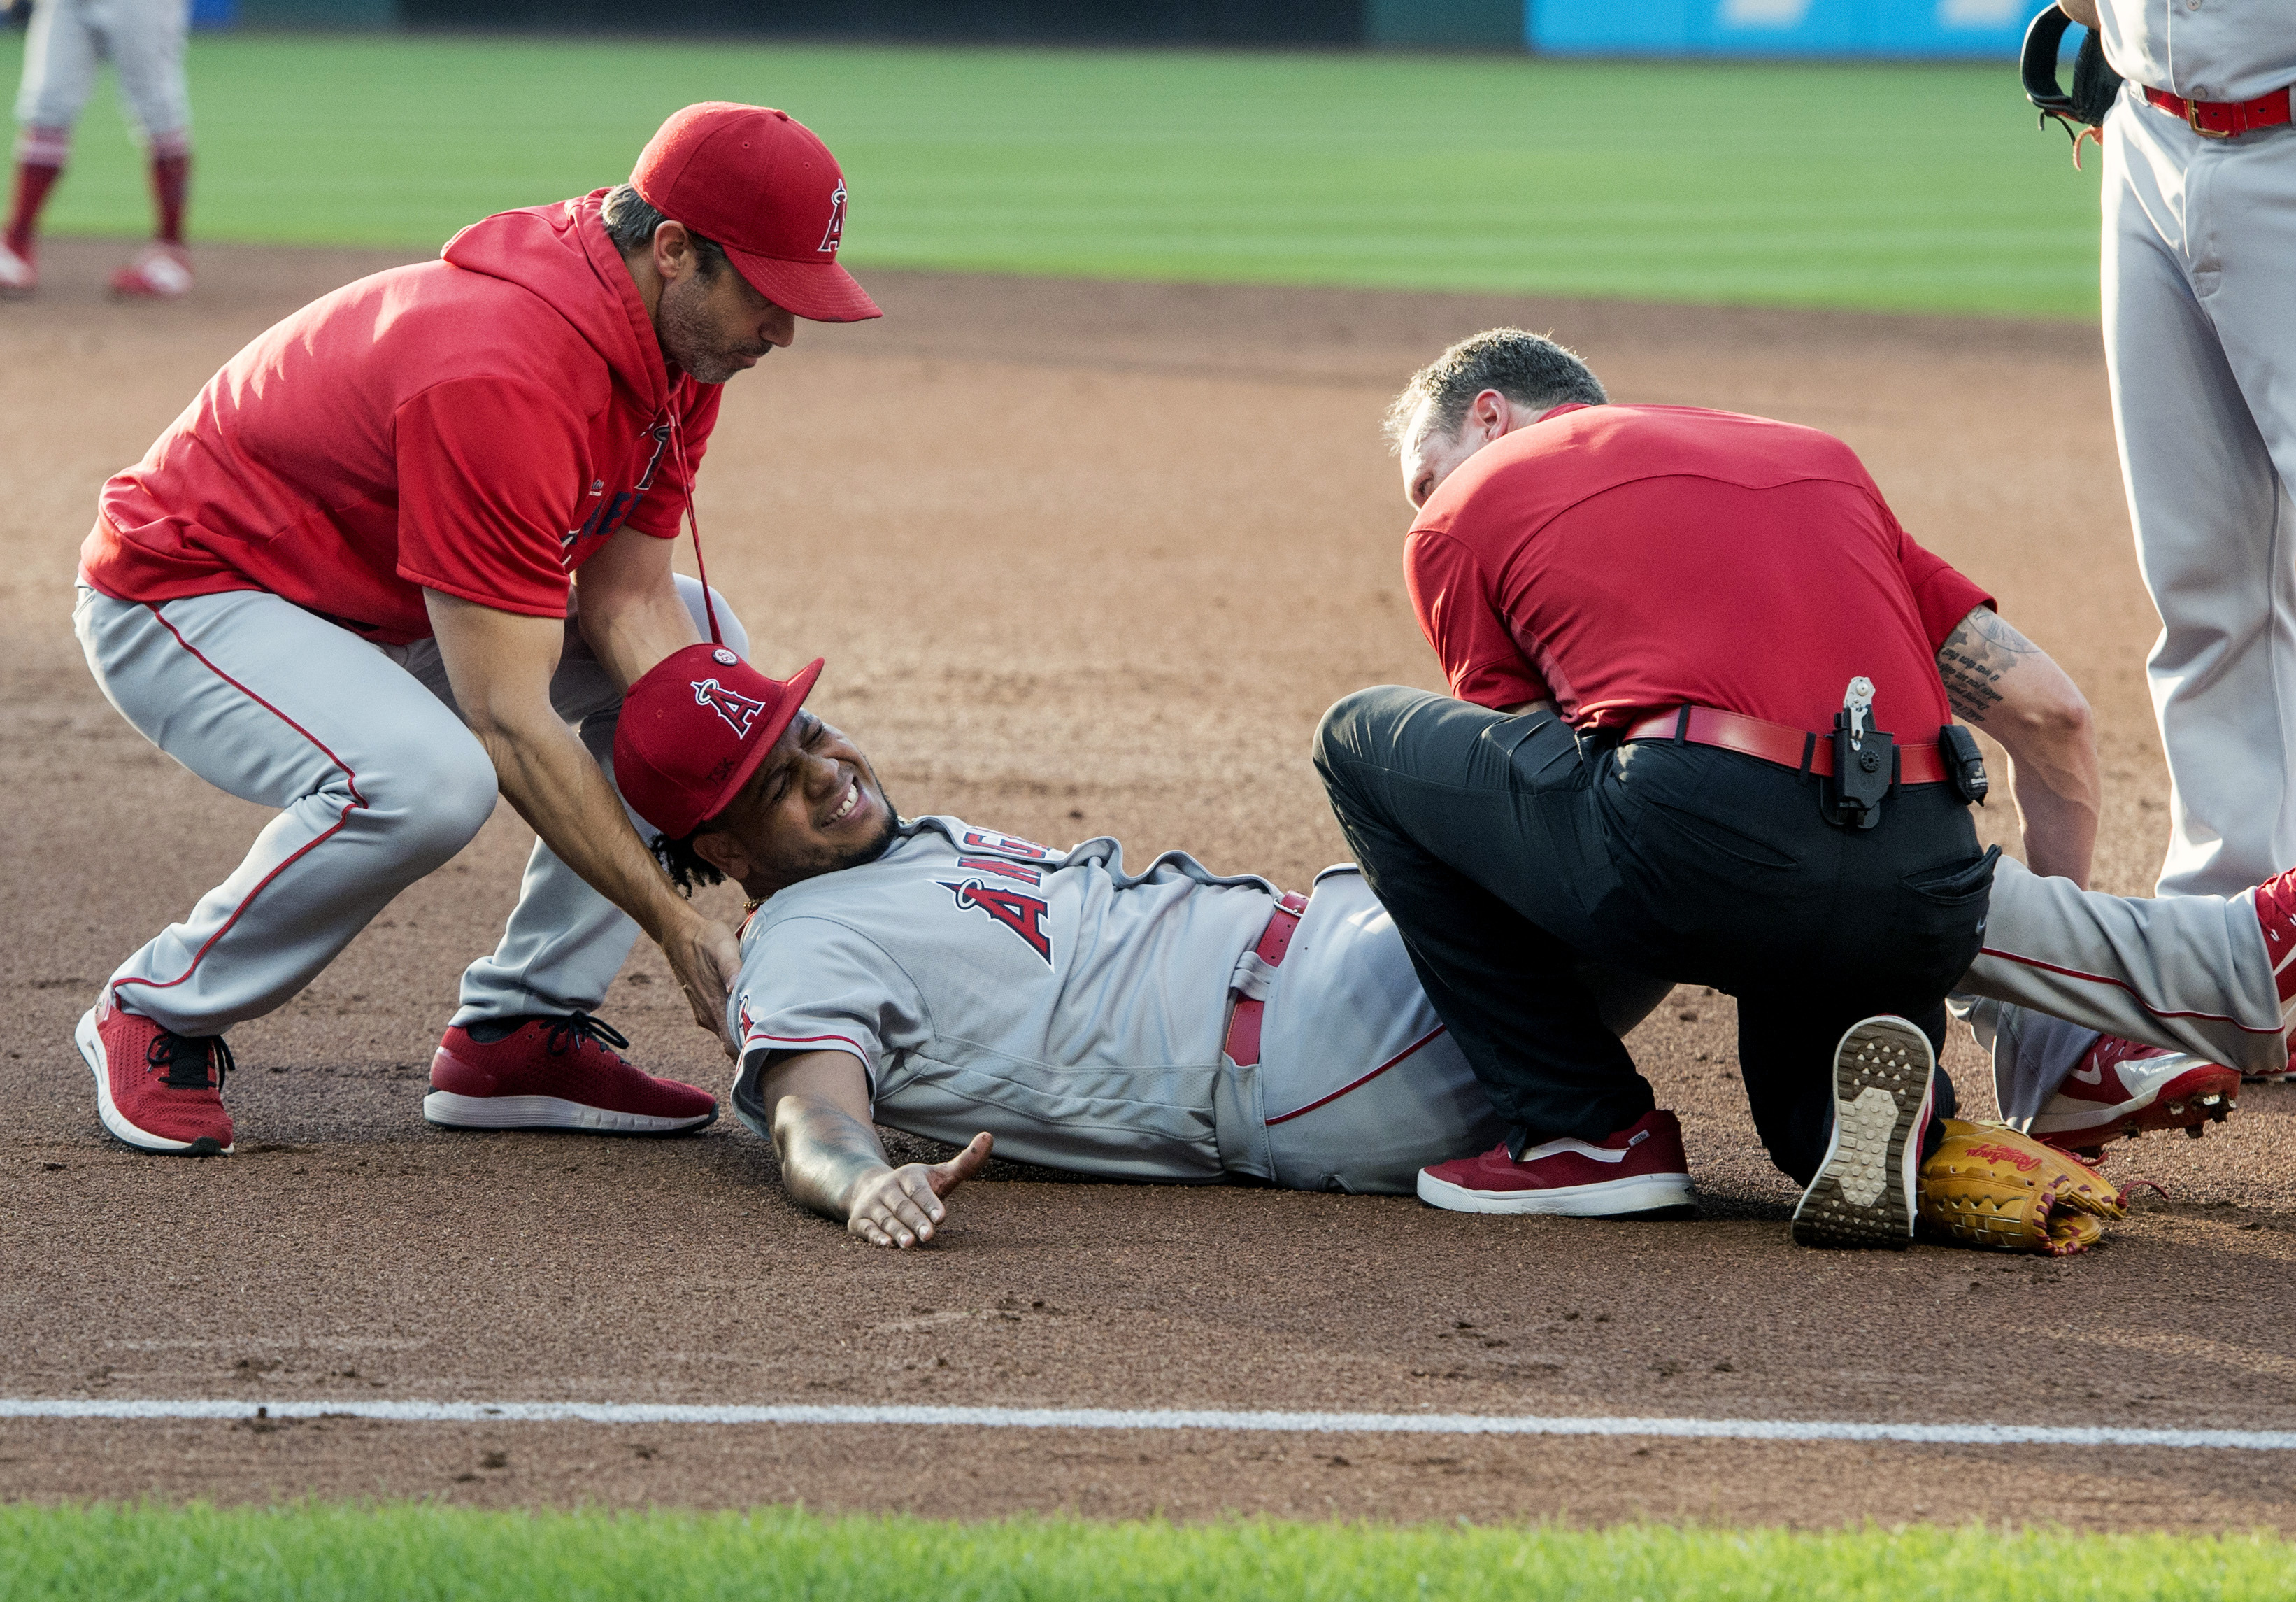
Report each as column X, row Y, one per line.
column 143, row 39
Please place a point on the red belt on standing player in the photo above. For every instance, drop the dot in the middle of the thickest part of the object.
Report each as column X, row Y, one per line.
column 2225, row 119
column 1253, row 973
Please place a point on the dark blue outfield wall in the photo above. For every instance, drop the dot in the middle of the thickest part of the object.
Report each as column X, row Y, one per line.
column 1987, row 28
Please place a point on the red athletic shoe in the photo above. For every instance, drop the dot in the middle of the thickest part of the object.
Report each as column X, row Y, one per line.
column 555, row 1074
column 158, row 273
column 2274, row 901
column 1883, row 1087
column 1641, row 1168
column 2121, row 1089
column 156, row 1091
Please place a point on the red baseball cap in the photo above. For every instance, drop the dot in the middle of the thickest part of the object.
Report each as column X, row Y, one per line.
column 761, row 184
column 694, row 729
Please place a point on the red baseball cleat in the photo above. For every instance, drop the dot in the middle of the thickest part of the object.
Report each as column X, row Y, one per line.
column 2274, row 901
column 1641, row 1168
column 1865, row 1193
column 156, row 1091
column 158, row 273
column 2121, row 1089
column 554, row 1073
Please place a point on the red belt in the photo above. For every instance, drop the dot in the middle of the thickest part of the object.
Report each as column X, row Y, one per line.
column 2224, row 119
column 1775, row 742
column 1243, row 1023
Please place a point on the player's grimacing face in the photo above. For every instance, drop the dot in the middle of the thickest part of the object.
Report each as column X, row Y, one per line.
column 813, row 807
column 714, row 327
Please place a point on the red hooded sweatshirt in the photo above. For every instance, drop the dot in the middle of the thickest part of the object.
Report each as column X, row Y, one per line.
column 479, row 424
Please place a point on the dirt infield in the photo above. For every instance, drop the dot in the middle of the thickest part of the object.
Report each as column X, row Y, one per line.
column 1084, row 559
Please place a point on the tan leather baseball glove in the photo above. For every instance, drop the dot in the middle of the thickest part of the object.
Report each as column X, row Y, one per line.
column 1989, row 1186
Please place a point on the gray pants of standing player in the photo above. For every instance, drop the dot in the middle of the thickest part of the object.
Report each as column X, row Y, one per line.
column 2200, row 339
column 379, row 782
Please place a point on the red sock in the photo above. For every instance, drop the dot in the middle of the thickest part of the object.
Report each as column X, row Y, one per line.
column 33, row 181
column 171, row 188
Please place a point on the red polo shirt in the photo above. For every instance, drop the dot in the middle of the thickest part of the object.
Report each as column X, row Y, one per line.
column 1624, row 559
column 479, row 425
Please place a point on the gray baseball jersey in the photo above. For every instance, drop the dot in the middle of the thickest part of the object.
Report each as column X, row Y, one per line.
column 1078, row 1012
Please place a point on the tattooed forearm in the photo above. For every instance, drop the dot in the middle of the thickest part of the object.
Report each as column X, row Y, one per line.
column 1975, row 658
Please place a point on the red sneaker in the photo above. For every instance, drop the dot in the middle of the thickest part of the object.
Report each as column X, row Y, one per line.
column 2120, row 1088
column 159, row 272
column 1883, row 1087
column 156, row 1091
column 1641, row 1168
column 555, row 1074
column 2274, row 901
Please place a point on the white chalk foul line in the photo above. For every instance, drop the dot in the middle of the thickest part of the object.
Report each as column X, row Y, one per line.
column 1162, row 1418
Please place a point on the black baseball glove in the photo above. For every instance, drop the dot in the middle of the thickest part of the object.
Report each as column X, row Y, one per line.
column 2095, row 85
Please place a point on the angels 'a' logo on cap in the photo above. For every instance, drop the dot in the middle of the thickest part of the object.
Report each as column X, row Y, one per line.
column 836, row 229
column 740, row 713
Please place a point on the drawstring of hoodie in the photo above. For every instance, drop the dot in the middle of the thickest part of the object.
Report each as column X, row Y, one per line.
column 693, row 523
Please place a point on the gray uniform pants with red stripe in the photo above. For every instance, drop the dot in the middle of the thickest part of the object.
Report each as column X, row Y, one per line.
column 378, row 782
column 2061, row 964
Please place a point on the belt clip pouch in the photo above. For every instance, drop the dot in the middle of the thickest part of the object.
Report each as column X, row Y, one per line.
column 1864, row 763
column 1965, row 764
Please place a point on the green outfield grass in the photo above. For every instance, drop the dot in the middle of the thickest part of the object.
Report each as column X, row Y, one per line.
column 1892, row 187
column 404, row 1553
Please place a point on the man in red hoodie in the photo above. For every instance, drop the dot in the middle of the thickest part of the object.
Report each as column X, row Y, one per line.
column 384, row 564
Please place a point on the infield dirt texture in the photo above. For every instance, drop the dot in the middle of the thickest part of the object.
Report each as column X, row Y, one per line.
column 1083, row 558
column 1090, row 558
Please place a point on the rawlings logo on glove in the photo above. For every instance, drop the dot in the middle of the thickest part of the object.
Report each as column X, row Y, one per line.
column 1989, row 1186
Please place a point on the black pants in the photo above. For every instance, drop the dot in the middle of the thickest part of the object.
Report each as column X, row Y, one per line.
column 1511, row 859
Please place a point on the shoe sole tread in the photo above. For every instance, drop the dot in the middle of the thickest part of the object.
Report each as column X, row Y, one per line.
column 1863, row 1194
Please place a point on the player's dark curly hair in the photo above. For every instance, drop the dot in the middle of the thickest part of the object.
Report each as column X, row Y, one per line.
column 630, row 221
column 1528, row 369
column 684, row 866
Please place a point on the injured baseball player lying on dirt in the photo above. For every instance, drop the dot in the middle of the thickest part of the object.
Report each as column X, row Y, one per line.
column 1172, row 1024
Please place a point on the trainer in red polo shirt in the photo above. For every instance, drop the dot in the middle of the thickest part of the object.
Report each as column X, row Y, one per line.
column 1620, row 559
column 1700, row 732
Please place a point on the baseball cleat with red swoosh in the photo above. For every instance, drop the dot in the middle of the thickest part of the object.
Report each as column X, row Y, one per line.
column 2122, row 1088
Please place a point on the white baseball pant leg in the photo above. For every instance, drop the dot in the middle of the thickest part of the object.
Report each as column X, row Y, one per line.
column 147, row 39
column 381, row 783
column 62, row 49
column 377, row 783
column 2199, row 335
column 564, row 941
column 2061, row 965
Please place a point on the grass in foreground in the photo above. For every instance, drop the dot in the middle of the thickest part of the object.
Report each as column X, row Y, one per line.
column 403, row 1552
column 1903, row 187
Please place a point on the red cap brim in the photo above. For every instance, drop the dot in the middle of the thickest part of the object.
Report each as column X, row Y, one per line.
column 795, row 689
column 819, row 291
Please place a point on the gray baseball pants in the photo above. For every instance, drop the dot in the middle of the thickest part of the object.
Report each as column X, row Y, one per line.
column 2199, row 340
column 2061, row 964
column 142, row 38
column 378, row 783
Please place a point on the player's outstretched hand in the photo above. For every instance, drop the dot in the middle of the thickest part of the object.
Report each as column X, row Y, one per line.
column 902, row 1206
